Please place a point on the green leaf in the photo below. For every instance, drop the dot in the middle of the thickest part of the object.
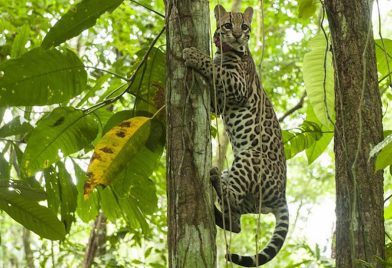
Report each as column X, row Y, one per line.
column 301, row 138
column 149, row 81
column 91, row 92
column 307, row 8
column 78, row 18
column 383, row 56
column 30, row 214
column 18, row 46
column 383, row 150
column 15, row 127
column 4, row 168
column 87, row 209
column 388, row 211
column 66, row 130
column 314, row 151
column 23, row 188
column 41, row 77
column 109, row 204
column 322, row 99
column 52, row 189
column 68, row 197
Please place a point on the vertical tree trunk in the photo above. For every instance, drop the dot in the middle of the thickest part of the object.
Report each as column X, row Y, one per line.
column 359, row 189
column 27, row 248
column 96, row 242
column 192, row 230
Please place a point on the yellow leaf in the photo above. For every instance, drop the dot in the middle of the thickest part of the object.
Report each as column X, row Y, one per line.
column 114, row 151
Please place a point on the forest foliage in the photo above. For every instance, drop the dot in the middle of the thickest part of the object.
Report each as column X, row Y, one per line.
column 82, row 107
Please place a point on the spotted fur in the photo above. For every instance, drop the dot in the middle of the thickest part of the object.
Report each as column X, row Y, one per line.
column 256, row 181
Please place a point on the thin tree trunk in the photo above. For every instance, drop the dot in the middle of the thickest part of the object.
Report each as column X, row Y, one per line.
column 192, row 231
column 359, row 189
column 96, row 242
column 27, row 248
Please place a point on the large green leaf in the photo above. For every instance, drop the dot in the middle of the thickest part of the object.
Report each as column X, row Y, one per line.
column 321, row 97
column 18, row 46
column 149, row 80
column 384, row 56
column 23, row 208
column 314, row 151
column 306, row 8
column 383, row 150
column 64, row 130
column 68, row 197
column 87, row 209
column 301, row 138
column 15, row 127
column 78, row 18
column 52, row 189
column 41, row 77
column 4, row 168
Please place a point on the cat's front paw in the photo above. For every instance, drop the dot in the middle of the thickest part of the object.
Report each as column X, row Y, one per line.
column 190, row 55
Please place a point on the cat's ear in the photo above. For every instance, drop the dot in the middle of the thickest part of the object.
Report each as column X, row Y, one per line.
column 219, row 12
column 248, row 13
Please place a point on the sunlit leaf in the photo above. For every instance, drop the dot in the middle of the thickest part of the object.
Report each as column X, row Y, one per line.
column 41, row 77
column 314, row 151
column 18, row 46
column 23, row 188
column 384, row 56
column 388, row 211
column 25, row 210
column 301, row 138
column 64, row 130
column 115, row 150
column 78, row 18
column 15, row 127
column 321, row 98
column 307, row 8
column 383, row 151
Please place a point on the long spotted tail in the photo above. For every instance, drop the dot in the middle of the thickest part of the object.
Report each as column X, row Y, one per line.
column 274, row 245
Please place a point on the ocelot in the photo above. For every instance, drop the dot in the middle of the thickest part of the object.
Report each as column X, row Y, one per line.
column 256, row 181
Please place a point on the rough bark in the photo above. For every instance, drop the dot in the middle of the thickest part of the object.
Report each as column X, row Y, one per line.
column 191, row 236
column 359, row 189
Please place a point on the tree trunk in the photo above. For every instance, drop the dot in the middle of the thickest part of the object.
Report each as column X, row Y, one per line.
column 359, row 189
column 192, row 231
column 27, row 248
column 96, row 242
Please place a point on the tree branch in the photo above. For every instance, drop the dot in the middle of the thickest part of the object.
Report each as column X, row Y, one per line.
column 298, row 106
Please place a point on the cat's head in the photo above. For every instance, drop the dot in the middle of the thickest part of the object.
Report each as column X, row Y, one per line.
column 233, row 29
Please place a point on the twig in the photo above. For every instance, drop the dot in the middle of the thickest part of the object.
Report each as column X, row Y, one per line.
column 148, row 8
column 107, row 71
column 389, row 197
column 298, row 106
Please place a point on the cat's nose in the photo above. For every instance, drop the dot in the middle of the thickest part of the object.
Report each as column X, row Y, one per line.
column 237, row 35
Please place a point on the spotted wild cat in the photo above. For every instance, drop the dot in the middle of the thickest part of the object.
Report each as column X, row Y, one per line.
column 256, row 181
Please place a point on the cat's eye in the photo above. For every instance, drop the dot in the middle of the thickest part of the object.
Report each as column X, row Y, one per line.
column 244, row 27
column 228, row 25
